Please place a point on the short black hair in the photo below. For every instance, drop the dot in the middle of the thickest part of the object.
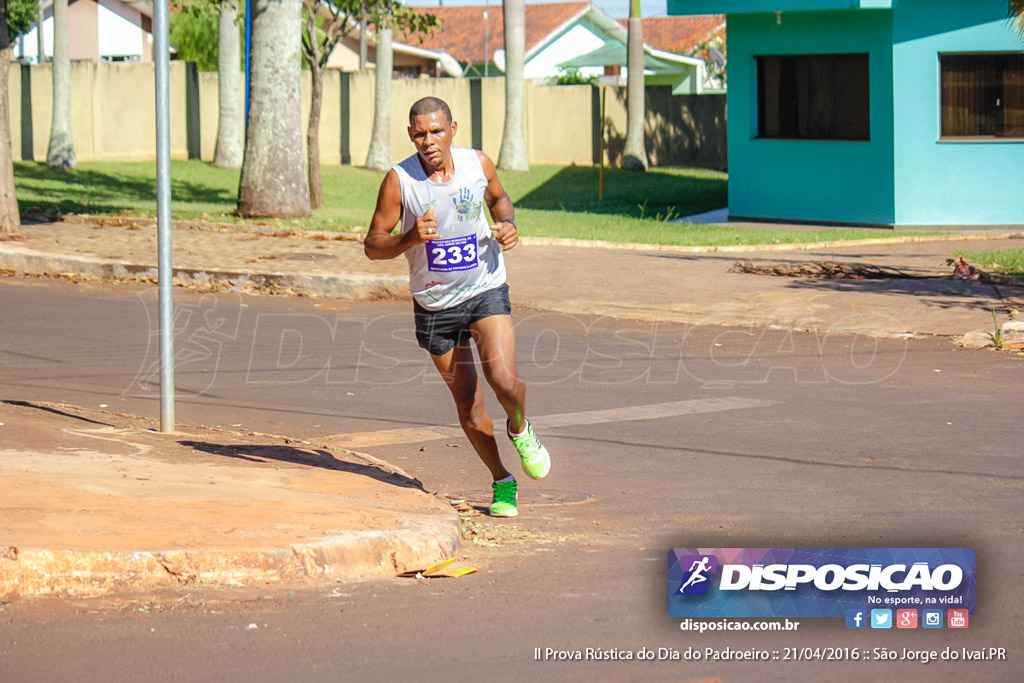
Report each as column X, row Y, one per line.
column 429, row 105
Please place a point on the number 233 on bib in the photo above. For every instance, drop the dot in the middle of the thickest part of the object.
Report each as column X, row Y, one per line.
column 452, row 254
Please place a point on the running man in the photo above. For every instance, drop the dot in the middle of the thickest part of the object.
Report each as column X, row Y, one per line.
column 457, row 280
column 697, row 576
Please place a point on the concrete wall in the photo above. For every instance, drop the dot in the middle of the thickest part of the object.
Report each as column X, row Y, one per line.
column 112, row 111
column 113, row 116
column 680, row 130
column 813, row 180
column 943, row 182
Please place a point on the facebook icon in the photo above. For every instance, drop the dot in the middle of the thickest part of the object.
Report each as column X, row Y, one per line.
column 855, row 618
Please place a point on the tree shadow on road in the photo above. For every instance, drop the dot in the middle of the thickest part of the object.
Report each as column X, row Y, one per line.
column 311, row 457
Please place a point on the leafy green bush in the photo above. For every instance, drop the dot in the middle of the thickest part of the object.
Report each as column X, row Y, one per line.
column 21, row 15
column 193, row 34
column 572, row 76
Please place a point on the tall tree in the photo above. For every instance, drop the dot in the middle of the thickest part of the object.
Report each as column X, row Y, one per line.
column 62, row 146
column 228, row 151
column 324, row 24
column 273, row 180
column 194, row 31
column 379, row 156
column 389, row 16
column 208, row 32
column 512, row 156
column 1016, row 15
column 16, row 17
column 634, row 156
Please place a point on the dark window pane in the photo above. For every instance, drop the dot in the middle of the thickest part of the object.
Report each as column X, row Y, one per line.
column 982, row 95
column 815, row 97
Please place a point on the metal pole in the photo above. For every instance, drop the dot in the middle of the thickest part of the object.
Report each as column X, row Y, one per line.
column 248, row 55
column 600, row 182
column 163, row 214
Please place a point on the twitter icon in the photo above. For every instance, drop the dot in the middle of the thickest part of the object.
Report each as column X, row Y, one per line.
column 881, row 618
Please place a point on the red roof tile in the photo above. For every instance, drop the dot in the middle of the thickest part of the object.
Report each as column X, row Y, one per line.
column 463, row 33
column 679, row 34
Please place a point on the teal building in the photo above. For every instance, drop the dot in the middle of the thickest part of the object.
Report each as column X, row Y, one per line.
column 873, row 112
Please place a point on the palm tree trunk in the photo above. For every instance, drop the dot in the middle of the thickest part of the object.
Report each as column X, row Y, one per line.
column 379, row 157
column 362, row 37
column 62, row 147
column 273, row 180
column 513, row 155
column 228, row 152
column 39, row 37
column 10, row 220
column 316, row 193
column 635, row 156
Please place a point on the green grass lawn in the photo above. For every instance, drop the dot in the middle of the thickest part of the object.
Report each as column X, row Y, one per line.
column 1008, row 261
column 551, row 201
column 198, row 191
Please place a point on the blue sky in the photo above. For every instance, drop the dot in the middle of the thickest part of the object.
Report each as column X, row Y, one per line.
column 616, row 8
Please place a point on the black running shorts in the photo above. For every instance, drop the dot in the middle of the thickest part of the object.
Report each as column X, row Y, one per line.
column 439, row 331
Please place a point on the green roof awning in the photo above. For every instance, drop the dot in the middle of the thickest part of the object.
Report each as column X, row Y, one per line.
column 613, row 53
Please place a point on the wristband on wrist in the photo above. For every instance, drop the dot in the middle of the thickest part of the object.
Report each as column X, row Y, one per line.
column 510, row 221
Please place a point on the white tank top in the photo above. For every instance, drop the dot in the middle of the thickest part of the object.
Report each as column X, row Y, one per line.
column 466, row 260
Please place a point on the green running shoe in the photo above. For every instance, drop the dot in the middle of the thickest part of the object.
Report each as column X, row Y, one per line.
column 536, row 461
column 505, row 495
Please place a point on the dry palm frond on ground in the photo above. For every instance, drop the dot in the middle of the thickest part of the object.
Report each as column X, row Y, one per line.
column 831, row 270
column 838, row 270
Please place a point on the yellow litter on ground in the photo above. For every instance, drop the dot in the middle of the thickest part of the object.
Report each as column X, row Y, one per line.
column 442, row 570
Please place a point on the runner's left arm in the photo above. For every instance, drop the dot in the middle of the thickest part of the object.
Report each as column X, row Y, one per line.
column 500, row 206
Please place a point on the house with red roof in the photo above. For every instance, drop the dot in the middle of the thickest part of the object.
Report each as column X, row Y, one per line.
column 575, row 35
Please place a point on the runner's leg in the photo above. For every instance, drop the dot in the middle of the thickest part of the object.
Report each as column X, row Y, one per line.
column 458, row 369
column 496, row 341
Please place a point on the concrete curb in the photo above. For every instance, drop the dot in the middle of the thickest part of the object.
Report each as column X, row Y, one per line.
column 743, row 248
column 351, row 556
column 357, row 286
column 370, row 286
column 205, row 226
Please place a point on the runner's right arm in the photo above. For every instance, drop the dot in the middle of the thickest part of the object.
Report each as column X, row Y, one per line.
column 380, row 244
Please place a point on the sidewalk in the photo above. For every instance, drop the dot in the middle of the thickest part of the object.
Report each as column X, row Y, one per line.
column 702, row 289
column 95, row 502
column 668, row 284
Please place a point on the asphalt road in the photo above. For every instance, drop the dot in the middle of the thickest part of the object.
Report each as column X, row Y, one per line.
column 804, row 441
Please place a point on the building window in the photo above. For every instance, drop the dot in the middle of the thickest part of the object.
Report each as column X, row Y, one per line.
column 407, row 72
column 983, row 95
column 813, row 97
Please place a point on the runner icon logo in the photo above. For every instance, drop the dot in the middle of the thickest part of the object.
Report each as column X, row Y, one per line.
column 695, row 581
